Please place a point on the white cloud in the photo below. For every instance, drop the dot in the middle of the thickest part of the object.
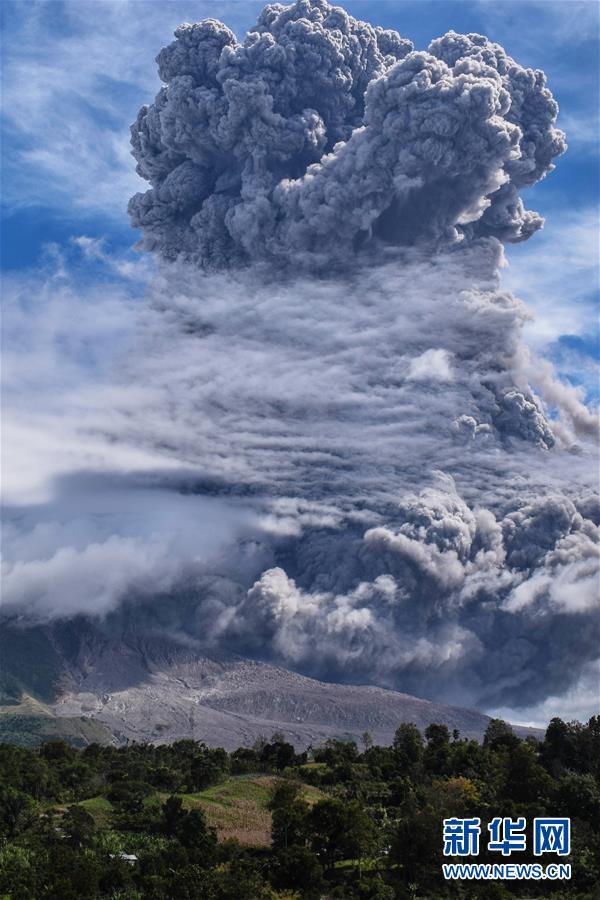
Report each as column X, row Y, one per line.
column 557, row 275
column 100, row 541
column 582, row 129
column 434, row 365
column 72, row 88
column 556, row 26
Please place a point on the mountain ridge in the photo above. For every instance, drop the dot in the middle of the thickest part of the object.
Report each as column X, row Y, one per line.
column 154, row 687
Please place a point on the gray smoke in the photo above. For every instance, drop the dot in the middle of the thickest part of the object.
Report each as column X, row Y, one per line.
column 320, row 137
column 449, row 600
column 328, row 354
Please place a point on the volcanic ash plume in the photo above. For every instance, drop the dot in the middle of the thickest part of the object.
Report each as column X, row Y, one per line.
column 328, row 347
column 321, row 137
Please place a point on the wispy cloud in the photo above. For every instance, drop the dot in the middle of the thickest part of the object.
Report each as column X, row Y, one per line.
column 582, row 129
column 557, row 275
column 557, row 24
column 64, row 326
column 74, row 76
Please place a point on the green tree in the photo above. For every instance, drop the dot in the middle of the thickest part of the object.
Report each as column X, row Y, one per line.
column 288, row 826
column 326, row 821
column 71, row 875
column 415, row 846
column 359, row 837
column 456, row 796
column 499, row 734
column 194, row 834
column 436, row 757
column 298, row 868
column 172, row 815
column 340, row 830
column 241, row 879
column 559, row 748
column 18, row 872
column 526, row 781
column 78, row 826
column 204, row 772
column 16, row 808
column 278, row 755
column 189, row 828
column 130, row 794
column 408, row 747
column 578, row 796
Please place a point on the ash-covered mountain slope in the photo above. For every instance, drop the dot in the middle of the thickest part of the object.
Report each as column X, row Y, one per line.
column 146, row 686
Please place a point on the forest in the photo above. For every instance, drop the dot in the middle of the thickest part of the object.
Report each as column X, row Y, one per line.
column 344, row 820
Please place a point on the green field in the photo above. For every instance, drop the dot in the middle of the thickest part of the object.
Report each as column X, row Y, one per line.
column 237, row 808
column 100, row 808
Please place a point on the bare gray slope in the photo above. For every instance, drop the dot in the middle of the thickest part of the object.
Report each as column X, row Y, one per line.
column 152, row 690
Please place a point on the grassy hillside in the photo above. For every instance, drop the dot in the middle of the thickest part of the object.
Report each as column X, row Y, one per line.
column 237, row 808
column 29, row 723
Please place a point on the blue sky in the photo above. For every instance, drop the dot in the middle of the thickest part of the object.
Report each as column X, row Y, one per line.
column 75, row 74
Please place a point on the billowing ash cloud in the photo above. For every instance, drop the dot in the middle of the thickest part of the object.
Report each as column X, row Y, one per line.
column 455, row 601
column 405, row 494
column 321, row 137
